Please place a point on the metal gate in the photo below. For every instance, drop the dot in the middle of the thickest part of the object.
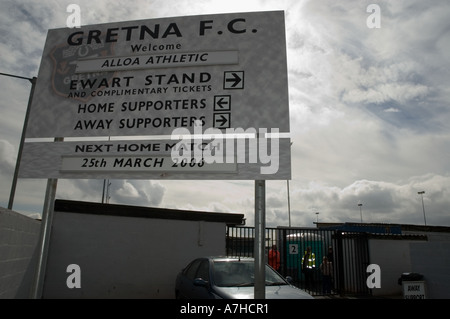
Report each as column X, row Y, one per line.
column 348, row 253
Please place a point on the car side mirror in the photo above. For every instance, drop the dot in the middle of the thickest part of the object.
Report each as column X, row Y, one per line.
column 289, row 279
column 199, row 282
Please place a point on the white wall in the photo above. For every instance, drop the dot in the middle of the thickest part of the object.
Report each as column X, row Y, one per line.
column 393, row 257
column 432, row 260
column 125, row 257
column 19, row 236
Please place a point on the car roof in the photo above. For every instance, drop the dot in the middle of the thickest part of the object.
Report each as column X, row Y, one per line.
column 226, row 258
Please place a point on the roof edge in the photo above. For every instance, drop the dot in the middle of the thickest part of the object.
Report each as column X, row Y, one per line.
column 80, row 207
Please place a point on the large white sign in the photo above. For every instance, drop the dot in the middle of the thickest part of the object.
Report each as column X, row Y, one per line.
column 149, row 77
column 223, row 73
column 191, row 159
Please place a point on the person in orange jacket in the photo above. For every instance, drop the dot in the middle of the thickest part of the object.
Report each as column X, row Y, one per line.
column 274, row 258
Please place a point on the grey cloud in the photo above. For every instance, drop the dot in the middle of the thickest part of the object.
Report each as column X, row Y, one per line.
column 8, row 156
column 126, row 192
column 382, row 202
column 346, row 81
column 136, row 192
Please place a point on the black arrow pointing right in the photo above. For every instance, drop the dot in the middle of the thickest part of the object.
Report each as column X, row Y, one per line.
column 235, row 79
column 222, row 120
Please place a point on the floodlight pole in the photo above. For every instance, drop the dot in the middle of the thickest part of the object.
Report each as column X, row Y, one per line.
column 289, row 203
column 360, row 211
column 49, row 201
column 423, row 206
column 289, row 197
column 22, row 139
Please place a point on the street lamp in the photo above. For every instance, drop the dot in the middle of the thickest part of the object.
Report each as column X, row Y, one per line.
column 317, row 219
column 360, row 211
column 289, row 203
column 289, row 198
column 423, row 206
column 22, row 139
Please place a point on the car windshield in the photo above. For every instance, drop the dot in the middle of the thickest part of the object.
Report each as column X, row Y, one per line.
column 241, row 274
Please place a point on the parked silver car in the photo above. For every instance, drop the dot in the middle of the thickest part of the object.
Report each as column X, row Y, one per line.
column 230, row 278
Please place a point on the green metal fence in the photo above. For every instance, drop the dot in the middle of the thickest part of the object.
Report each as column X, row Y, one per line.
column 348, row 253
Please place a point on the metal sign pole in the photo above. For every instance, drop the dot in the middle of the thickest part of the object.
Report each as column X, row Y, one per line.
column 44, row 238
column 260, row 227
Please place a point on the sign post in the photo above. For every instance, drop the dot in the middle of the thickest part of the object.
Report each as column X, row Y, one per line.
column 260, row 236
column 191, row 98
column 44, row 239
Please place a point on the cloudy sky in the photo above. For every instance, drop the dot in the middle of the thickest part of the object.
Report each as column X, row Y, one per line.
column 369, row 108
